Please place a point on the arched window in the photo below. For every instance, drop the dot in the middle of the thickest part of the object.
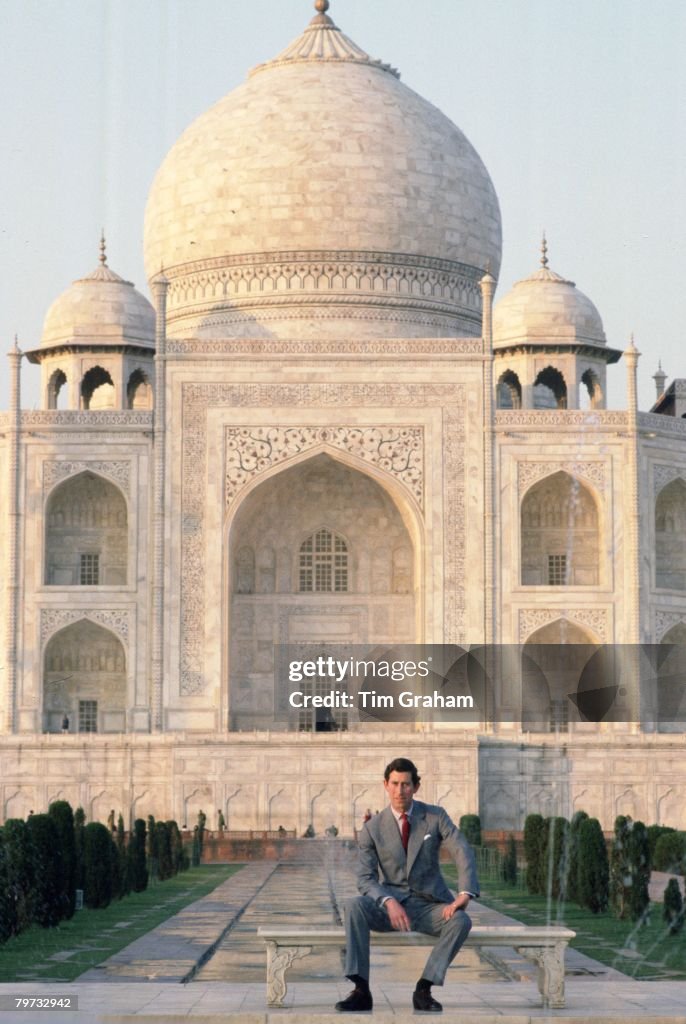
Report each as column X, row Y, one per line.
column 509, row 391
column 97, row 389
column 57, row 390
column 550, row 390
column 670, row 536
column 138, row 391
column 86, row 536
column 559, row 540
column 592, row 394
column 324, row 563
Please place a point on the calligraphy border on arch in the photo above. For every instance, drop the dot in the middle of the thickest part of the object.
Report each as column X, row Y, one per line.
column 199, row 398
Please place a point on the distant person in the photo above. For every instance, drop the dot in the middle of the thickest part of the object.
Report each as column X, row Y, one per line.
column 221, row 822
column 110, row 821
column 65, row 724
column 403, row 889
column 282, row 831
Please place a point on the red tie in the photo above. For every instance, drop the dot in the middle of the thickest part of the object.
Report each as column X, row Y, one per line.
column 405, row 831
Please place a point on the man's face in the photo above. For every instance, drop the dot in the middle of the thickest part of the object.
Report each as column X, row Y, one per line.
column 400, row 789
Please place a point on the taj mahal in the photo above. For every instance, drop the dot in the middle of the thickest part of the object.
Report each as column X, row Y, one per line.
column 324, row 429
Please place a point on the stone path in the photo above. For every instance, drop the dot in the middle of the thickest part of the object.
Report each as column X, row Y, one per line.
column 211, row 944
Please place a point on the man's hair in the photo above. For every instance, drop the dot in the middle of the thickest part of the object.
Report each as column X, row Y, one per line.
column 402, row 764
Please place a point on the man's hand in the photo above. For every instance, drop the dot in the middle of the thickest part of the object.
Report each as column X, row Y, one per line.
column 400, row 922
column 459, row 903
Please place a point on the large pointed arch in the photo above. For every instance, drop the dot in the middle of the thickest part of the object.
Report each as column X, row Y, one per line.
column 670, row 536
column 322, row 489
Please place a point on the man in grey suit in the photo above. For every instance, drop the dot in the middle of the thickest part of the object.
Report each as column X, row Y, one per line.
column 403, row 889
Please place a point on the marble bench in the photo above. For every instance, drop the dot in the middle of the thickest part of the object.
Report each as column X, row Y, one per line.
column 543, row 946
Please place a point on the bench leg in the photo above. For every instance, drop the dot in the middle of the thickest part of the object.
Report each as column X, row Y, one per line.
column 279, row 959
column 550, row 961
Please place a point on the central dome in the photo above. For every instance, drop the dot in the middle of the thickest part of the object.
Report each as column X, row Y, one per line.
column 323, row 190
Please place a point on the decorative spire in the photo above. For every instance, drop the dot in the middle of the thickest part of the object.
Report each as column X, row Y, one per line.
column 544, row 252
column 103, row 249
column 659, row 377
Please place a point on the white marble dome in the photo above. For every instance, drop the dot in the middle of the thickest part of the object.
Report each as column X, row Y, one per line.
column 546, row 309
column 323, row 189
column 100, row 308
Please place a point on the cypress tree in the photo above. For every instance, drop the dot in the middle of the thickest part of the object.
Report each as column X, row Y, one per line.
column 555, row 862
column 470, row 827
column 19, row 866
column 48, row 872
column 593, row 867
column 6, row 905
column 97, row 865
column 123, row 858
column 163, row 848
column 620, row 871
column 639, row 868
column 573, row 855
column 79, row 843
column 534, row 841
column 673, row 907
column 151, row 849
column 176, row 844
column 61, row 813
column 137, row 866
column 509, row 865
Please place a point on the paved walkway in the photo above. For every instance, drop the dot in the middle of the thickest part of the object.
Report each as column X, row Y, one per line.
column 211, row 946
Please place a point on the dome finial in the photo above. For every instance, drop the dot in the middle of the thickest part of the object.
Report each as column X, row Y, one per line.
column 321, row 6
column 103, row 248
column 544, row 251
column 321, row 18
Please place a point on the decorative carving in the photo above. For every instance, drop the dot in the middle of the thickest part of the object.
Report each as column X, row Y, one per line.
column 87, row 418
column 550, row 961
column 227, row 289
column 664, row 621
column 530, row 472
column 279, row 960
column 198, row 398
column 119, row 472
column 662, row 424
column 531, row 619
column 663, row 475
column 344, row 346
column 397, row 450
column 115, row 619
column 558, row 419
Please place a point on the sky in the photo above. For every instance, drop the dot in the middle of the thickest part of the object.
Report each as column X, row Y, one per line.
column 578, row 110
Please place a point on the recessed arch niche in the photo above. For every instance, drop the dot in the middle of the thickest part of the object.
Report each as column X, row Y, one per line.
column 560, row 542
column 86, row 533
column 670, row 536
column 84, row 679
column 554, row 659
column 267, row 604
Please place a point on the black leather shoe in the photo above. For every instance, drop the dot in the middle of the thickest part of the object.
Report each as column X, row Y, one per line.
column 358, row 1001
column 423, row 1001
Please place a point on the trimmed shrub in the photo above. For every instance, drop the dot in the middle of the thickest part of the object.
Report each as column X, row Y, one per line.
column 572, row 873
column 97, row 865
column 19, row 866
column 163, row 848
column 593, row 868
column 639, row 871
column 79, row 844
column 470, row 827
column 138, row 871
column 509, row 864
column 673, row 907
column 48, row 873
column 620, row 872
column 534, row 845
column 151, row 849
column 6, row 906
column 670, row 853
column 654, row 833
column 123, row 858
column 61, row 813
column 555, row 860
column 176, row 844
column 202, row 819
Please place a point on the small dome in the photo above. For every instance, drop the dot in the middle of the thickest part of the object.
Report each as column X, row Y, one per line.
column 100, row 309
column 546, row 309
column 322, row 188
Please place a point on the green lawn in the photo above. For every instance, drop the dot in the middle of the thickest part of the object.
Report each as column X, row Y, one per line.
column 647, row 953
column 94, row 935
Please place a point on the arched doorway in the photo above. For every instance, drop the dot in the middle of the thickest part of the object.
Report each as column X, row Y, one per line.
column 560, row 543
column 555, row 656
column 86, row 536
column 319, row 554
column 84, row 680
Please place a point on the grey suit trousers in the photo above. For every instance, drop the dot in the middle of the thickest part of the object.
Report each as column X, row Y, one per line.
column 362, row 915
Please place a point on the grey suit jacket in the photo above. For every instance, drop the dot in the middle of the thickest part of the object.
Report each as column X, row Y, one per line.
column 384, row 869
